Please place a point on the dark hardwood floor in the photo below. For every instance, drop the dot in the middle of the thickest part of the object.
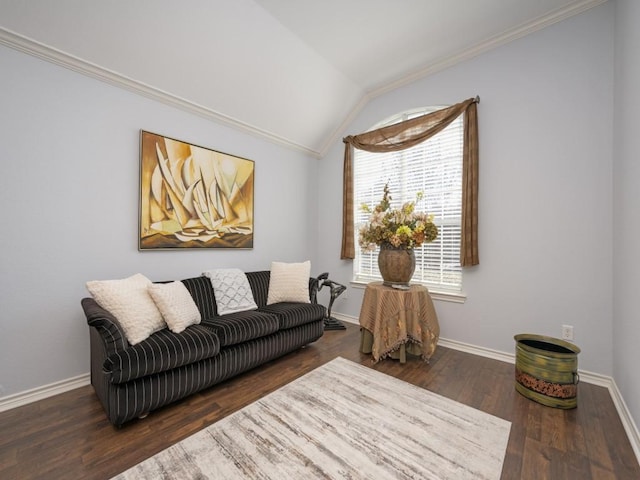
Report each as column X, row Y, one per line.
column 68, row 436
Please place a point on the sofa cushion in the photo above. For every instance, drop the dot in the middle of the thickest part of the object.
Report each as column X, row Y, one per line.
column 162, row 351
column 291, row 314
column 259, row 283
column 240, row 327
column 231, row 290
column 202, row 293
column 175, row 304
column 289, row 282
column 129, row 301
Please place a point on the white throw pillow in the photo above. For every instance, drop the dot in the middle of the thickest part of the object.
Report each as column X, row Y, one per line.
column 129, row 301
column 175, row 304
column 289, row 282
column 232, row 290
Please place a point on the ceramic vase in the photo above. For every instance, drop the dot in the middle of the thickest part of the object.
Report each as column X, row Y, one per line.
column 396, row 265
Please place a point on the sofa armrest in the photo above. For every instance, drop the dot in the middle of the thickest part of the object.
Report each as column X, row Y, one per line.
column 106, row 324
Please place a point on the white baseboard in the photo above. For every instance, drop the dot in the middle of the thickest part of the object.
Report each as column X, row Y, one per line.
column 629, row 425
column 345, row 318
column 585, row 376
column 609, row 383
column 40, row 393
column 475, row 350
column 625, row 416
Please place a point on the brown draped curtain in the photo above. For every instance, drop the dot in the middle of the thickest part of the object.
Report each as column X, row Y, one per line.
column 403, row 135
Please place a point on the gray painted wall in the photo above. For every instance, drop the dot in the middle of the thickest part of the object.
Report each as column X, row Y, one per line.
column 545, row 235
column 550, row 180
column 626, row 226
column 69, row 147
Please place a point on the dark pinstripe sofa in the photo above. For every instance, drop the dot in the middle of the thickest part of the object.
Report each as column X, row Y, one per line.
column 131, row 381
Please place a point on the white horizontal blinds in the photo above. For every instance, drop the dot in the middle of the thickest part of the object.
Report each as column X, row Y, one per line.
column 433, row 167
column 371, row 171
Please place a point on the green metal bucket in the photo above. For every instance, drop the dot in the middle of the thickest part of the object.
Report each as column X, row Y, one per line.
column 547, row 370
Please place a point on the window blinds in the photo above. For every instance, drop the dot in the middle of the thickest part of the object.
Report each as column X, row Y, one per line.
column 434, row 168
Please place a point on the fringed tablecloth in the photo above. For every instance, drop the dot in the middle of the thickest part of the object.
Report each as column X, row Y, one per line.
column 400, row 317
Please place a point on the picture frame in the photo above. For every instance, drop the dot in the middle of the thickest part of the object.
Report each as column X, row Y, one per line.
column 192, row 197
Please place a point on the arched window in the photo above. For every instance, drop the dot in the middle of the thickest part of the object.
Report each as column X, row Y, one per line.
column 433, row 167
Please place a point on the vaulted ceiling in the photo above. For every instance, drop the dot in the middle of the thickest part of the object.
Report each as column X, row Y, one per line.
column 292, row 71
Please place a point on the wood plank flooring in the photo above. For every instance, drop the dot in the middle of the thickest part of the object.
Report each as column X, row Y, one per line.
column 68, row 436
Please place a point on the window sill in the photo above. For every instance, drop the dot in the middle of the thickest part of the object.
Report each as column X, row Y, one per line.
column 443, row 296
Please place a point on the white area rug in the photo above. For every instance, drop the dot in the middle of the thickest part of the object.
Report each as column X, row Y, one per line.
column 340, row 421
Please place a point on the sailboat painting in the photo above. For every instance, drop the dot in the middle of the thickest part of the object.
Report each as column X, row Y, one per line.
column 193, row 197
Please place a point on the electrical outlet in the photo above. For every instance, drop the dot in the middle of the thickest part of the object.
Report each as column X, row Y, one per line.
column 567, row 332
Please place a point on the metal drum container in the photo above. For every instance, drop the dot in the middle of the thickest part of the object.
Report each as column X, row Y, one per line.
column 547, row 370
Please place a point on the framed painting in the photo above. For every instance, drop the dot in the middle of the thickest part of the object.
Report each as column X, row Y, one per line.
column 193, row 197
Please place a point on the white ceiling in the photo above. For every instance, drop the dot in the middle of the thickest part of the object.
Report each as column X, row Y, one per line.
column 293, row 71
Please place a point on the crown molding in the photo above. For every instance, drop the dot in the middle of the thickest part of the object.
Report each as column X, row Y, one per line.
column 489, row 44
column 467, row 54
column 58, row 57
column 40, row 50
column 351, row 116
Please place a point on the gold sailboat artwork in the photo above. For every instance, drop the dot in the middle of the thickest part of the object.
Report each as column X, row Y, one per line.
column 193, row 197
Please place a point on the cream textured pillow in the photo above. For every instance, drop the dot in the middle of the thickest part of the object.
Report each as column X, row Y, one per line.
column 129, row 301
column 231, row 289
column 175, row 304
column 289, row 282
